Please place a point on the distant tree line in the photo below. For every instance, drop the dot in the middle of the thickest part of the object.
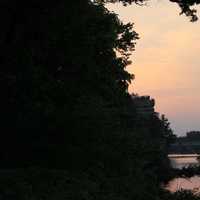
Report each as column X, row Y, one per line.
column 193, row 134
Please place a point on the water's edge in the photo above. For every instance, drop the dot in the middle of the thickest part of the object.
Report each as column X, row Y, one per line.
column 178, row 161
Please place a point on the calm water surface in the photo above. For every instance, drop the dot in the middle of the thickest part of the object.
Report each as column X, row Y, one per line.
column 186, row 184
column 183, row 160
column 180, row 161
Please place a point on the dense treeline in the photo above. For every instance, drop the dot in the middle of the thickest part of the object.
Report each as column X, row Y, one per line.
column 66, row 108
column 62, row 80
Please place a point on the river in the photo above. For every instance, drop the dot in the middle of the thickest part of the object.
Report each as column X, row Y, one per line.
column 183, row 160
column 179, row 161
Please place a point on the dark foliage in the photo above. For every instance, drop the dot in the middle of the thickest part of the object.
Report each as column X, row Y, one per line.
column 62, row 81
column 65, row 105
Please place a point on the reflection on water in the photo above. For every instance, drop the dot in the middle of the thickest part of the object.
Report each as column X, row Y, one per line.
column 184, row 183
column 180, row 161
column 183, row 160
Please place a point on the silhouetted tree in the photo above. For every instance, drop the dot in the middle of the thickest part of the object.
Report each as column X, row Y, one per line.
column 59, row 59
column 65, row 101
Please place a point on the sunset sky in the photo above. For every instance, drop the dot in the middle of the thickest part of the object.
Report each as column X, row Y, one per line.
column 166, row 62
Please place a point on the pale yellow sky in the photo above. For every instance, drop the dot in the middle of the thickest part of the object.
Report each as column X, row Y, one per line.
column 166, row 62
